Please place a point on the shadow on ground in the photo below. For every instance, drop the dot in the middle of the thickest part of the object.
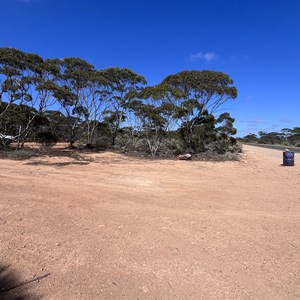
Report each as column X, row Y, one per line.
column 58, row 164
column 11, row 287
column 29, row 153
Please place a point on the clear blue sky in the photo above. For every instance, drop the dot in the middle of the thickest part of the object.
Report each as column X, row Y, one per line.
column 256, row 42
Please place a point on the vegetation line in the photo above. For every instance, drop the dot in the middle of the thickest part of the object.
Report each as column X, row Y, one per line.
column 68, row 100
column 287, row 137
column 275, row 147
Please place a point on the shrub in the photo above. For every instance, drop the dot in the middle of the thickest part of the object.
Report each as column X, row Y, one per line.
column 46, row 138
column 20, row 154
column 171, row 147
column 103, row 143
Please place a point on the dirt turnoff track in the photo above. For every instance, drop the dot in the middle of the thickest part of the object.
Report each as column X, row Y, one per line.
column 123, row 228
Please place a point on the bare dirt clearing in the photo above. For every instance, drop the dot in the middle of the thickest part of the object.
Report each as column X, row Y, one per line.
column 124, row 228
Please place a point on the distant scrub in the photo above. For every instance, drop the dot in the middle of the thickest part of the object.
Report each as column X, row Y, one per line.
column 286, row 137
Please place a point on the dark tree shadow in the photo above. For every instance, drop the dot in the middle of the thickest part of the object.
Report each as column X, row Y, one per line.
column 12, row 288
column 79, row 158
column 58, row 164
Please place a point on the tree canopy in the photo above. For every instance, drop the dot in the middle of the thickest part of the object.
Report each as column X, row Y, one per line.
column 69, row 100
column 286, row 137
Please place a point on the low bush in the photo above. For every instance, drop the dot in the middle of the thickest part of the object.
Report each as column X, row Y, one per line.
column 46, row 138
column 102, row 143
column 20, row 154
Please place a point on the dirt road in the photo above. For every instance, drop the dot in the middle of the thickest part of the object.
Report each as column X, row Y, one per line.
column 124, row 228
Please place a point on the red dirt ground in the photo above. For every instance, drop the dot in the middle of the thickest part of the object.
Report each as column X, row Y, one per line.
column 127, row 228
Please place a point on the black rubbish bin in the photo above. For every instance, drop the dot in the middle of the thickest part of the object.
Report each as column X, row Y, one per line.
column 288, row 158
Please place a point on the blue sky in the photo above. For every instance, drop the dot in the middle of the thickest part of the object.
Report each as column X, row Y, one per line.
column 256, row 42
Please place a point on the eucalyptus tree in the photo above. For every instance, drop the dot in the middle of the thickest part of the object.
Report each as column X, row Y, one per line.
column 204, row 93
column 226, row 124
column 165, row 97
column 150, row 124
column 295, row 137
column 71, row 89
column 95, row 104
column 58, row 124
column 250, row 138
column 154, row 124
column 292, row 136
column 17, row 70
column 271, row 137
column 17, row 117
column 14, row 64
column 40, row 91
column 26, row 80
column 154, row 113
column 121, row 81
column 83, row 93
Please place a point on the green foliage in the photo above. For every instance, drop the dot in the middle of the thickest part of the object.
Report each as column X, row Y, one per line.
column 50, row 100
column 250, row 138
column 270, row 138
column 46, row 138
column 227, row 124
column 122, row 80
column 201, row 94
column 121, row 83
column 287, row 136
column 211, row 89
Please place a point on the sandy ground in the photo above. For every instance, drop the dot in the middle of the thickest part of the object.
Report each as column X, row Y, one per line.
column 124, row 228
